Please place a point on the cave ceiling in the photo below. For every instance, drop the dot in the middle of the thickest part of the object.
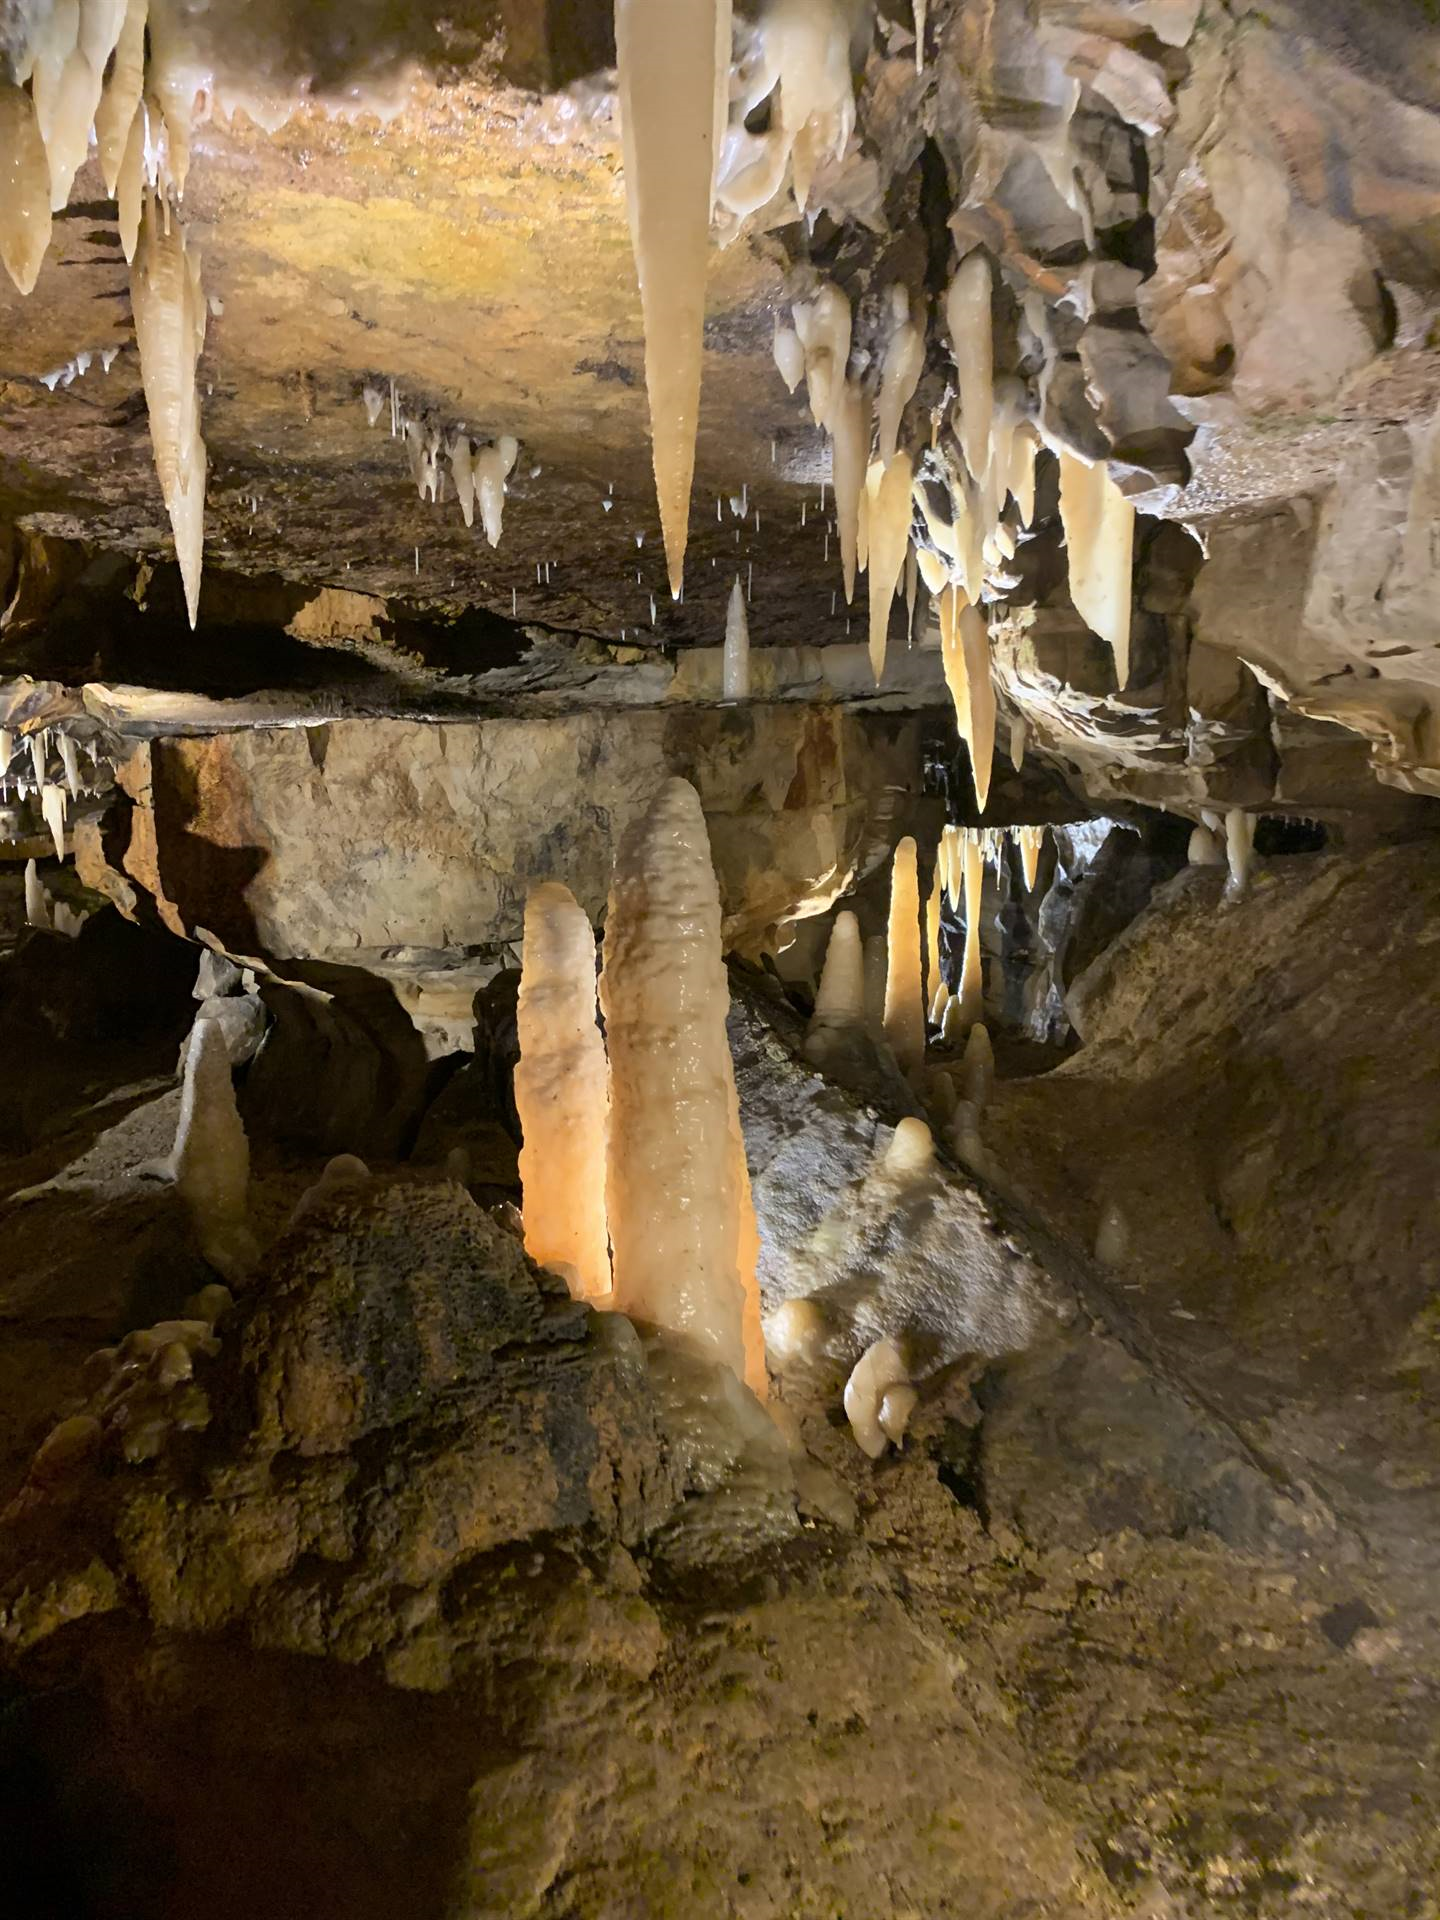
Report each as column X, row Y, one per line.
column 1239, row 317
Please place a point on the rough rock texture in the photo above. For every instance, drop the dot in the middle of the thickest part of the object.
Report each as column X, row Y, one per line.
column 341, row 842
column 1254, row 1092
column 427, row 1583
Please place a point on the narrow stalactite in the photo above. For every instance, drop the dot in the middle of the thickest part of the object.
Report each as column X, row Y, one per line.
column 967, row 312
column 888, row 521
column 974, row 638
column 681, row 1222
column 170, row 332
column 904, row 989
column 851, row 452
column 562, row 1094
column 669, row 65
column 25, row 216
column 1099, row 543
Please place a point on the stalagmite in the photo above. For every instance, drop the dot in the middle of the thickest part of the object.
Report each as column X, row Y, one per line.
column 562, row 1094
column 877, row 967
column 888, row 521
column 1204, row 849
column 681, row 1224
column 170, row 332
column 1099, row 541
column 971, row 999
column 980, row 698
column 24, row 188
column 904, row 993
column 977, row 1068
column 904, row 362
column 1112, row 1236
column 210, row 1162
column 37, row 910
column 52, row 809
column 934, row 979
column 850, row 435
column 967, row 312
column 1239, row 850
column 735, row 666
column 344, row 1173
column 839, row 1015
column 880, row 1370
column 669, row 71
column 1031, row 841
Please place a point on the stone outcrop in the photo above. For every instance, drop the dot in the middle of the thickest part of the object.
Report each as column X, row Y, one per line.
column 344, row 842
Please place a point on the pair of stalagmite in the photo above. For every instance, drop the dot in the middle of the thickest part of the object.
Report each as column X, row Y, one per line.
column 633, row 1164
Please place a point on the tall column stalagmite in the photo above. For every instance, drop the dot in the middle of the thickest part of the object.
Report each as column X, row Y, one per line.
column 682, row 1225
column 904, row 994
column 562, row 1094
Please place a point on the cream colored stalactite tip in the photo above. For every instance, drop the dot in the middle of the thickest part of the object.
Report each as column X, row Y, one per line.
column 669, row 75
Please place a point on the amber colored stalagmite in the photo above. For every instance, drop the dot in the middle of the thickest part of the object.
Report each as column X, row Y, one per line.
column 904, row 995
column 971, row 996
column 681, row 1222
column 562, row 1094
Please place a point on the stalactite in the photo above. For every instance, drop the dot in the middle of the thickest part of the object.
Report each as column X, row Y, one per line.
column 52, row 810
column 677, row 1195
column 562, row 1095
column 668, row 67
column 120, row 102
column 888, row 520
column 789, row 355
column 170, row 332
column 1099, row 541
column 980, row 698
column 904, row 992
column 1031, row 841
column 967, row 311
column 823, row 325
column 25, row 214
column 1204, row 849
column 851, row 454
column 735, row 666
column 900, row 375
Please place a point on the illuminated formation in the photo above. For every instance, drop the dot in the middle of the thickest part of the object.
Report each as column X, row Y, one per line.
column 562, row 1094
